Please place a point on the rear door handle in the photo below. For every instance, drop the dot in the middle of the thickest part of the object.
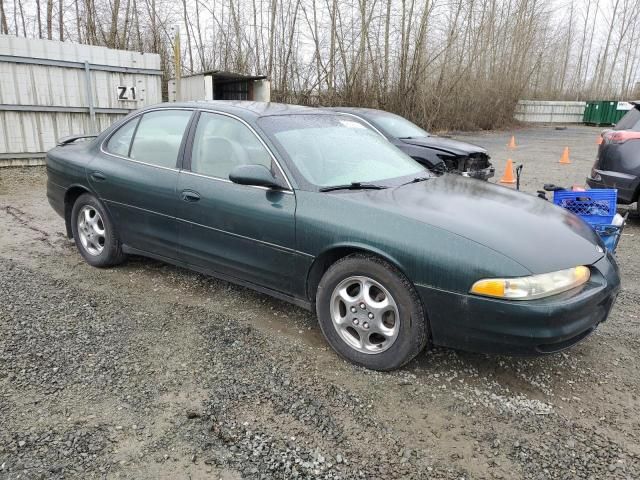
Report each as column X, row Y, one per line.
column 98, row 176
column 190, row 196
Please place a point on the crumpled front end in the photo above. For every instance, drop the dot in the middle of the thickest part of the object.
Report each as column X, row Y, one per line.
column 469, row 164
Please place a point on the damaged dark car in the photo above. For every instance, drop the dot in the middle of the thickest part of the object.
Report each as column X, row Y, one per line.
column 315, row 208
column 617, row 163
column 438, row 154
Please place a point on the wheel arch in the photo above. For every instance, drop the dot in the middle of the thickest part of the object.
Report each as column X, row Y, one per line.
column 334, row 253
column 70, row 197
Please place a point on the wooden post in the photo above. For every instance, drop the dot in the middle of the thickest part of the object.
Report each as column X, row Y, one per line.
column 178, row 65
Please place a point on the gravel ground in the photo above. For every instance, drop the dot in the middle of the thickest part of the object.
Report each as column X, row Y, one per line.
column 148, row 371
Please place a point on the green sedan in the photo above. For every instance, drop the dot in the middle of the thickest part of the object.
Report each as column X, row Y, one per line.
column 313, row 207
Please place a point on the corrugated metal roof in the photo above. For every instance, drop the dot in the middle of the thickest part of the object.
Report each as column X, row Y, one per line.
column 226, row 76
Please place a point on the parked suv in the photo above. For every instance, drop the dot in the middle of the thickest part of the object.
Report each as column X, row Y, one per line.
column 618, row 162
column 438, row 154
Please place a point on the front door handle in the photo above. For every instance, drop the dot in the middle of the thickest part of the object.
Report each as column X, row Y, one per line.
column 190, row 196
column 98, row 176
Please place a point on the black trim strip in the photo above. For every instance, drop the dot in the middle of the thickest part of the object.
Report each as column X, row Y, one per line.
column 138, row 119
column 188, row 151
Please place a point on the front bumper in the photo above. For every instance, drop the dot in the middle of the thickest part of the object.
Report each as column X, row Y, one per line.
column 626, row 184
column 478, row 324
column 482, row 174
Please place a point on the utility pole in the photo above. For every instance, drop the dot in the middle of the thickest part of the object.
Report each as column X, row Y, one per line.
column 177, row 64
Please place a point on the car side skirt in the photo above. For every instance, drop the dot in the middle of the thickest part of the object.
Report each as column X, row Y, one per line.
column 300, row 302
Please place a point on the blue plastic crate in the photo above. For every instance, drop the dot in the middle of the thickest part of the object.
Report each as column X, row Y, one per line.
column 596, row 206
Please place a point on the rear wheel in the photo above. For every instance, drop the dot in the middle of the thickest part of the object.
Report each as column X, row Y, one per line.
column 370, row 313
column 94, row 233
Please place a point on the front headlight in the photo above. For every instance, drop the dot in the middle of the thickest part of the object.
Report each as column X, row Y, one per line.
column 534, row 286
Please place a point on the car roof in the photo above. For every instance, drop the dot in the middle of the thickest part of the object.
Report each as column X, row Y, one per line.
column 358, row 110
column 244, row 108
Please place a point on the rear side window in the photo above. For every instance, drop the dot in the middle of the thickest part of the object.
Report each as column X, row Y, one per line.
column 631, row 121
column 158, row 137
column 120, row 141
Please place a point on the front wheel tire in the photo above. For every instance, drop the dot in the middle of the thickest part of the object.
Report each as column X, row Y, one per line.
column 370, row 313
column 94, row 233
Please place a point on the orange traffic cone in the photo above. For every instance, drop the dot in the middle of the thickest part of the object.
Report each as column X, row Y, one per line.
column 565, row 156
column 512, row 143
column 508, row 176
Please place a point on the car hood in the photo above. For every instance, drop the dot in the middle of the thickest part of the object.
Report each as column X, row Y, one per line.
column 447, row 145
column 533, row 232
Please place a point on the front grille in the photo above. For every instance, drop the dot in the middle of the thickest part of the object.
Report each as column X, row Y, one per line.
column 468, row 164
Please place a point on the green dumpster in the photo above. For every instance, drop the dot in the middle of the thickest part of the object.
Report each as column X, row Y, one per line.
column 603, row 112
column 621, row 110
column 589, row 112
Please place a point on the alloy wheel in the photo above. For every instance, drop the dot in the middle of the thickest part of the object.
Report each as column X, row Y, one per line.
column 91, row 230
column 364, row 314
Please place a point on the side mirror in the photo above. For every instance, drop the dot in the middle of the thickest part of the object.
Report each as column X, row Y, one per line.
column 257, row 175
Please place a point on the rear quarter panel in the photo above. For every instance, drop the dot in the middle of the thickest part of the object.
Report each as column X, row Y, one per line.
column 624, row 157
column 66, row 168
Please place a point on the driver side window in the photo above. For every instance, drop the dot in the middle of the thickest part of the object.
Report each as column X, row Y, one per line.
column 222, row 143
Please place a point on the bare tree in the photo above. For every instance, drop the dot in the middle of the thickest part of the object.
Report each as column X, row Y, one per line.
column 4, row 27
column 22, row 20
column 442, row 63
column 61, row 19
column 50, row 19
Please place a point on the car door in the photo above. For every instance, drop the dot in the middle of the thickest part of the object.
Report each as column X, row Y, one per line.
column 243, row 231
column 136, row 175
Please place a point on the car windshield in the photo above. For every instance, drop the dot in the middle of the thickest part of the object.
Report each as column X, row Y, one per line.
column 329, row 150
column 397, row 126
column 631, row 120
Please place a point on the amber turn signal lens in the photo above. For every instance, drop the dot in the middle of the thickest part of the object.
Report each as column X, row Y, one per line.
column 490, row 288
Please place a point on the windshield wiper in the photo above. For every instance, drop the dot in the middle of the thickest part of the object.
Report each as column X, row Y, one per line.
column 416, row 180
column 353, row 186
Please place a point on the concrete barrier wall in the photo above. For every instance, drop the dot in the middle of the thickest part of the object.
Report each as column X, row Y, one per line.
column 540, row 111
